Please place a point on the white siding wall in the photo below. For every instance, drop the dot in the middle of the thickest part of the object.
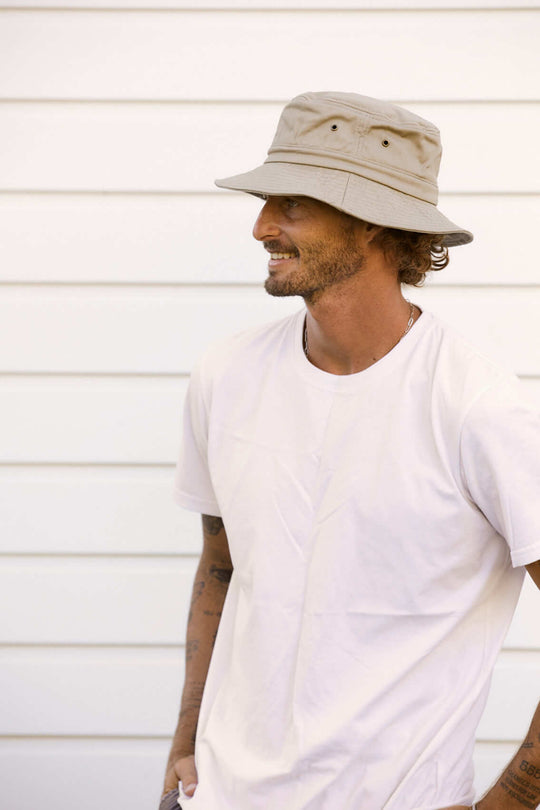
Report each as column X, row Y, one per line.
column 119, row 262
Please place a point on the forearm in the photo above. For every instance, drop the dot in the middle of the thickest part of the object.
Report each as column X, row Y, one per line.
column 519, row 785
column 208, row 595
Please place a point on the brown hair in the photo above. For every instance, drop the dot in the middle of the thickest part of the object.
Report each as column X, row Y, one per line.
column 415, row 254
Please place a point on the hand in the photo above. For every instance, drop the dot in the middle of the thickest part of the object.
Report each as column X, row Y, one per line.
column 182, row 770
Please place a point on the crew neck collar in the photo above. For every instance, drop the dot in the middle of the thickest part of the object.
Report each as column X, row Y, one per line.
column 346, row 382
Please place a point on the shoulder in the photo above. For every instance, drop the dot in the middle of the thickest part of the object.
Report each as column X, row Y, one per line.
column 483, row 396
column 461, row 372
column 503, row 408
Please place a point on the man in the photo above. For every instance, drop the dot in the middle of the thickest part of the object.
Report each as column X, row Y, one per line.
column 367, row 484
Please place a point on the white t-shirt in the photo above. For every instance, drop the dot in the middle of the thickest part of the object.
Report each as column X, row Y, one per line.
column 374, row 520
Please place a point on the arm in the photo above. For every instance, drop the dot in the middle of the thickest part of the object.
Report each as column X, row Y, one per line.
column 518, row 787
column 208, row 595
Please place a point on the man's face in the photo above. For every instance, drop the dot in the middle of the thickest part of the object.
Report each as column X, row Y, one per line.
column 312, row 246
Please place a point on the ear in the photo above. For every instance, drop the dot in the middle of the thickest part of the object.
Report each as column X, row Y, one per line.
column 372, row 231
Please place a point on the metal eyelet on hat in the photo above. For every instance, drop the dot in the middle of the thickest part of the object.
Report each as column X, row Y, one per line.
column 386, row 142
column 334, row 127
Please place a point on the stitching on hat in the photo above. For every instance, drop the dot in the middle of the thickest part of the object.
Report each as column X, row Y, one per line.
column 363, row 161
column 350, row 176
column 346, row 187
column 420, row 123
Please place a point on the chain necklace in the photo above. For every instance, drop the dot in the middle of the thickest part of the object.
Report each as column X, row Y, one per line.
column 407, row 328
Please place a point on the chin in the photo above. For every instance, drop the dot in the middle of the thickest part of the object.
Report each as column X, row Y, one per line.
column 282, row 289
column 279, row 290
column 274, row 287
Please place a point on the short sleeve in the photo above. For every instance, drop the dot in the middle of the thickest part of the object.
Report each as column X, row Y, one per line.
column 500, row 459
column 192, row 482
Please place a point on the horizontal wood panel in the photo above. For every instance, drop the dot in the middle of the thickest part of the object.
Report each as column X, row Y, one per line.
column 124, row 330
column 137, row 692
column 82, row 774
column 514, row 695
column 131, row 238
column 173, row 55
column 95, row 601
column 524, row 632
column 158, row 330
column 184, row 147
column 77, row 510
column 130, row 601
column 90, row 421
column 273, row 5
column 126, row 773
column 90, row 692
column 196, row 239
column 490, row 760
column 71, row 421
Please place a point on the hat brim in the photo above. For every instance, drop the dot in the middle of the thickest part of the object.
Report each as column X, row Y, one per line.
column 351, row 193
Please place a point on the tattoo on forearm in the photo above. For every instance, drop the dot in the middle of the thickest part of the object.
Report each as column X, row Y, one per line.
column 524, row 790
column 187, row 711
column 221, row 574
column 192, row 697
column 190, row 707
column 212, row 525
column 191, row 648
column 198, row 588
column 530, row 770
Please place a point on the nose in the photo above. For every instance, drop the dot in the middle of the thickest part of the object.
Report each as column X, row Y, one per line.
column 267, row 225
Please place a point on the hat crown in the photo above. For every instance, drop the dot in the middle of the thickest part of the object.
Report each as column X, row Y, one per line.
column 362, row 135
column 368, row 158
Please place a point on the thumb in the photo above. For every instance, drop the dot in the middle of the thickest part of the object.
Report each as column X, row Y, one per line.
column 188, row 775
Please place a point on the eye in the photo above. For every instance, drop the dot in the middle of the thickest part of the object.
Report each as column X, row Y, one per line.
column 290, row 202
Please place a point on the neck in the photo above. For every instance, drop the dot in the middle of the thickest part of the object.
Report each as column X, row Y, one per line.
column 350, row 329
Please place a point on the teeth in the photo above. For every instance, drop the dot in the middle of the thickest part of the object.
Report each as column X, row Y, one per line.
column 282, row 255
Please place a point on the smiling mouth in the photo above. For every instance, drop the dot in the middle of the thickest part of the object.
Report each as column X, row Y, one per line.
column 278, row 258
column 283, row 255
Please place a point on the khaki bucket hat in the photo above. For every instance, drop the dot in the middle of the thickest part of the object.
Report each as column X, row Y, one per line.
column 366, row 157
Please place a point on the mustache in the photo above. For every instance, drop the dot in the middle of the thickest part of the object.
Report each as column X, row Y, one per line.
column 277, row 247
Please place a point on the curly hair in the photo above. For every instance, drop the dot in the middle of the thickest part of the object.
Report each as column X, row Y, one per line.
column 415, row 254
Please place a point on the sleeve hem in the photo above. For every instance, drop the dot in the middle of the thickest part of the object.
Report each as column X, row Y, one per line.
column 195, row 504
column 524, row 556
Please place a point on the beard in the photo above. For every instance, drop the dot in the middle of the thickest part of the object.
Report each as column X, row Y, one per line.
column 319, row 266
